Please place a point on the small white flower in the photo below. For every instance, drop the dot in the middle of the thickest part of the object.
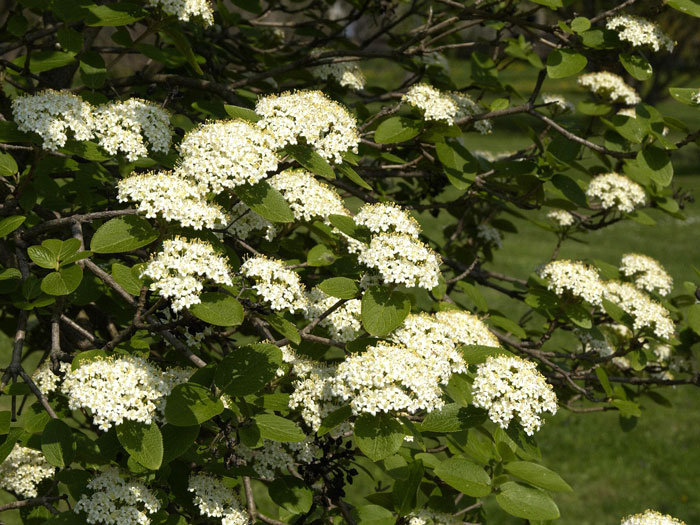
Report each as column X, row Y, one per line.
column 646, row 312
column 387, row 217
column 577, row 278
column 640, row 32
column 647, row 273
column 45, row 379
column 347, row 74
column 445, row 106
column 610, row 86
column 276, row 284
column 184, row 10
column 23, row 470
column 216, row 500
column 562, row 217
column 343, row 324
column 615, row 191
column 557, row 103
column 651, row 517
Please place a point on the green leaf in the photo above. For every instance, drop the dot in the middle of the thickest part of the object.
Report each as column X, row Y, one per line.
column 241, row 113
column 278, row 428
column 127, row 278
column 477, row 354
column 114, row 14
column 248, row 369
column 5, row 420
column 42, row 61
column 284, row 327
column 86, row 357
column 346, row 225
column 218, row 309
column 578, row 315
column 604, row 381
column 693, row 317
column 353, row 176
column 396, row 129
column 334, row 419
column 627, row 408
column 43, row 256
column 320, row 255
column 655, row 163
column 580, row 24
column 143, row 442
column 340, row 287
column 508, row 325
column 460, row 166
column 464, row 476
column 378, row 436
column 184, row 47
column 123, row 234
column 563, row 63
column 8, row 166
column 266, row 201
column 92, row 69
column 684, row 95
column 538, row 475
column 373, row 515
column 689, row 7
column 190, row 404
column 177, row 440
column 383, row 310
column 12, row 437
column 527, row 503
column 57, row 443
column 311, row 160
column 404, row 492
column 474, row 295
column 291, row 493
column 452, row 418
column 10, row 224
column 63, row 282
column 636, row 65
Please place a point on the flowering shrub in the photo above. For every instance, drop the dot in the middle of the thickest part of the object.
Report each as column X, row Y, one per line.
column 247, row 254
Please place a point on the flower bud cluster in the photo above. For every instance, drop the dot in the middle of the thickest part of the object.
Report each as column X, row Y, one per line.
column 646, row 312
column 46, row 380
column 562, row 217
column 182, row 266
column 215, row 500
column 343, row 323
column 577, row 278
column 23, row 469
column 615, row 191
column 184, row 10
column 116, row 501
column 647, row 273
column 445, row 106
column 651, row 517
column 640, row 32
column 276, row 284
column 610, row 86
column 512, row 388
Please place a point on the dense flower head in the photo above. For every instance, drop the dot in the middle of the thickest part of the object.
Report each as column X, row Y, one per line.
column 325, row 125
column 577, row 278
column 246, row 222
column 651, row 517
column 609, row 86
column 52, row 114
column 130, row 126
column 432, row 517
column 347, row 74
column 313, row 389
column 117, row 501
column 215, row 500
column 343, row 324
column 181, row 268
column 616, row 191
column 646, row 312
column 121, row 387
column 640, row 32
column 465, row 328
column 274, row 456
column 45, row 379
column 511, row 387
column 308, row 198
column 557, row 103
column 696, row 97
column 172, row 197
column 276, row 284
column 23, row 469
column 562, row 217
column 226, row 154
column 184, row 10
column 444, row 106
column 402, row 259
column 647, row 273
column 387, row 217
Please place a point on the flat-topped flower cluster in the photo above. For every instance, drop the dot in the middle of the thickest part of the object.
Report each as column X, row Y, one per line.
column 445, row 106
column 610, row 87
column 640, row 32
column 216, row 500
column 23, row 469
column 651, row 517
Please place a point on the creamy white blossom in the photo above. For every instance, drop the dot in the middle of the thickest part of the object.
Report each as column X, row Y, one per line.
column 347, row 74
column 343, row 324
column 402, row 259
column 45, row 379
column 616, row 191
column 651, row 517
column 387, row 217
column 121, row 387
column 646, row 312
column 647, row 273
column 215, row 500
column 640, row 32
column 557, row 103
column 130, row 126
column 465, row 328
column 182, row 267
column 276, row 284
column 431, row 517
column 309, row 198
column 696, row 97
column 444, row 106
column 185, row 10
column 512, row 388
column 117, row 501
column 226, row 154
column 610, row 87
column 172, row 197
column 576, row 278
column 325, row 125
column 562, row 217
column 23, row 469
column 52, row 115
column 245, row 222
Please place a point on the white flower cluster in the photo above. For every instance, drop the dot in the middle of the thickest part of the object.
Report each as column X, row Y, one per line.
column 562, row 217
column 174, row 198
column 347, row 74
column 640, row 32
column 343, row 324
column 313, row 390
column 23, row 469
column 646, row 312
column 494, row 156
column 696, row 97
column 324, row 124
column 577, row 278
column 180, row 268
column 226, row 154
column 431, row 517
column 274, row 456
column 557, row 103
column 610, row 86
column 122, row 126
column 45, row 379
column 444, row 106
column 216, row 500
column 402, row 259
column 246, row 221
column 116, row 501
column 489, row 235
column 308, row 198
column 463, row 328
column 616, row 191
column 186, row 9
column 387, row 217
column 121, row 387
column 277, row 284
column 651, row 517
column 647, row 273
column 510, row 387
column 52, row 114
